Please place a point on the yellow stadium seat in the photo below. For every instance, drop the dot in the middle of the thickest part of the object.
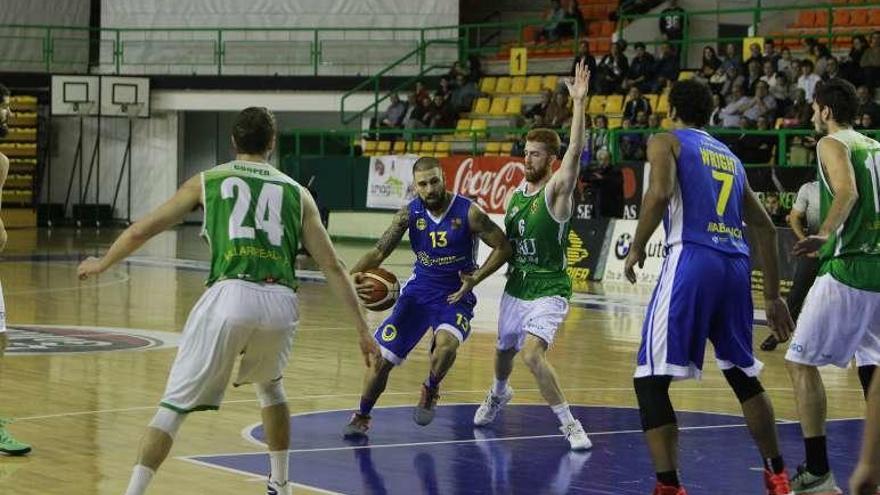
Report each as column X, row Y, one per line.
column 493, row 148
column 653, row 99
column 443, row 147
column 428, row 147
column 399, row 146
column 481, row 106
column 487, row 84
column 383, row 147
column 479, row 125
column 506, row 148
column 462, row 127
column 514, row 105
column 415, row 146
column 498, row 105
column 533, row 84
column 550, row 82
column 614, row 104
column 685, row 75
column 503, row 85
column 518, row 85
column 441, row 154
column 663, row 104
column 614, row 122
column 597, row 104
column 369, row 147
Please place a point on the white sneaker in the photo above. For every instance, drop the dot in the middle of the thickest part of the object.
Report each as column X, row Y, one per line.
column 276, row 488
column 491, row 406
column 576, row 436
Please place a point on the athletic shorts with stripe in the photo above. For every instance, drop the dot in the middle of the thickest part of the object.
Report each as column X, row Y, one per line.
column 703, row 294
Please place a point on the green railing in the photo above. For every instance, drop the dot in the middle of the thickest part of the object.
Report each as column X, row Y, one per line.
column 296, row 143
column 757, row 12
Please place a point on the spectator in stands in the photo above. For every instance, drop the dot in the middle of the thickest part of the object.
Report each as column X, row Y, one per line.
column 558, row 114
column 850, row 67
column 731, row 58
column 632, row 144
column 717, row 107
column 421, row 115
column 550, row 32
column 641, row 70
column 667, row 68
column 444, row 115
column 769, row 75
column 864, row 122
column 641, row 121
column 867, row 105
column 654, row 121
column 611, row 70
column 788, row 65
column 808, row 44
column 757, row 149
column 755, row 55
column 534, row 116
column 731, row 114
column 820, row 55
column 600, row 133
column 635, row 103
column 576, row 20
column 392, row 117
column 422, row 91
column 412, row 104
column 464, row 94
column 783, row 91
column 800, row 113
column 808, row 79
column 446, row 87
column 762, row 104
column 456, row 71
column 711, row 64
column 774, row 208
column 770, row 54
column 870, row 62
column 732, row 79
column 672, row 22
column 753, row 77
column 832, row 70
column 588, row 59
column 475, row 68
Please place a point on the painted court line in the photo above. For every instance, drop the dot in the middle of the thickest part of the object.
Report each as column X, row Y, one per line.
column 250, row 476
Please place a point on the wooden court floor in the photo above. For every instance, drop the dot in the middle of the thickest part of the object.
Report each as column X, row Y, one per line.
column 84, row 412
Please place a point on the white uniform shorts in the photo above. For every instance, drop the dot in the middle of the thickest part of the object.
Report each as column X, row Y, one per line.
column 232, row 318
column 540, row 317
column 837, row 323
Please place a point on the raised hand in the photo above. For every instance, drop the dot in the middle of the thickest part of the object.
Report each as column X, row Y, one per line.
column 580, row 85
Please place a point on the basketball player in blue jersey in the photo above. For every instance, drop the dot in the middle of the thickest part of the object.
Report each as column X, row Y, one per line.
column 444, row 229
column 698, row 187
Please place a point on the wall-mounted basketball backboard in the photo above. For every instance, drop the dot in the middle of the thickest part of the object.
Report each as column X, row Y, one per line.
column 125, row 96
column 75, row 95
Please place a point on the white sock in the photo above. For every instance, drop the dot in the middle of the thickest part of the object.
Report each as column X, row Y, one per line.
column 499, row 387
column 563, row 413
column 140, row 478
column 278, row 465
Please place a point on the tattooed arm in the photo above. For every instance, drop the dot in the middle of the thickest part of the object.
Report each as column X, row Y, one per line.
column 390, row 239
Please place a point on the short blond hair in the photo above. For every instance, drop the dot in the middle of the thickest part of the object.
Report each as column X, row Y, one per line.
column 547, row 136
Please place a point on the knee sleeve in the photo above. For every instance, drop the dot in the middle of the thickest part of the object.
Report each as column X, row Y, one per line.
column 168, row 421
column 865, row 375
column 271, row 393
column 744, row 386
column 655, row 408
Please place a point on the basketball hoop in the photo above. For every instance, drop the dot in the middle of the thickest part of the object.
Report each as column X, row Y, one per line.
column 83, row 108
column 132, row 110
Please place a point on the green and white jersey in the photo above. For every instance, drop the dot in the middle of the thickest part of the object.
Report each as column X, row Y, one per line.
column 253, row 221
column 539, row 241
column 852, row 254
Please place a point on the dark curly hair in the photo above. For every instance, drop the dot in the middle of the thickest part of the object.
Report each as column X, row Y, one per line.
column 253, row 130
column 840, row 96
column 692, row 102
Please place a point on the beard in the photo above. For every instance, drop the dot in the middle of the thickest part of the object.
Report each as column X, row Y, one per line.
column 534, row 174
column 434, row 200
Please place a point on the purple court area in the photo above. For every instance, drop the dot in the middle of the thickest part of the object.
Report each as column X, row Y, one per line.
column 523, row 453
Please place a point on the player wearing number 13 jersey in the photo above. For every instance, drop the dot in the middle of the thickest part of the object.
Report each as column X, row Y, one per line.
column 255, row 219
column 698, row 187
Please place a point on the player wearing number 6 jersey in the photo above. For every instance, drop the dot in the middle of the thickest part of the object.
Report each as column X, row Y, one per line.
column 698, row 187
column 255, row 219
column 841, row 316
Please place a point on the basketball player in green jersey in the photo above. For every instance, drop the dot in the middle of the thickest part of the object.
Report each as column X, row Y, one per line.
column 841, row 315
column 535, row 299
column 8, row 444
column 254, row 220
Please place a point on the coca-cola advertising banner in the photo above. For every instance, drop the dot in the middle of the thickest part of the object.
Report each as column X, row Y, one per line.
column 489, row 180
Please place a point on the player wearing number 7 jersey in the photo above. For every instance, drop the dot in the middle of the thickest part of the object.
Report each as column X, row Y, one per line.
column 698, row 187
column 841, row 316
column 255, row 219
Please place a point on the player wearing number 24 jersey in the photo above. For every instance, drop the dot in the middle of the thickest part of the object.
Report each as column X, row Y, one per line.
column 255, row 219
column 698, row 187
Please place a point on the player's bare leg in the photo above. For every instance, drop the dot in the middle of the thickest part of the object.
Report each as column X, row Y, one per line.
column 534, row 354
column 276, row 423
column 154, row 449
column 375, row 380
column 443, row 355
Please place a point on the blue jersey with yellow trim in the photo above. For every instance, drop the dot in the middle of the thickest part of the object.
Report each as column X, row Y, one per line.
column 707, row 205
column 443, row 246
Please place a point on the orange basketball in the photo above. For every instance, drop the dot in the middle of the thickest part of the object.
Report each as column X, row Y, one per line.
column 385, row 289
